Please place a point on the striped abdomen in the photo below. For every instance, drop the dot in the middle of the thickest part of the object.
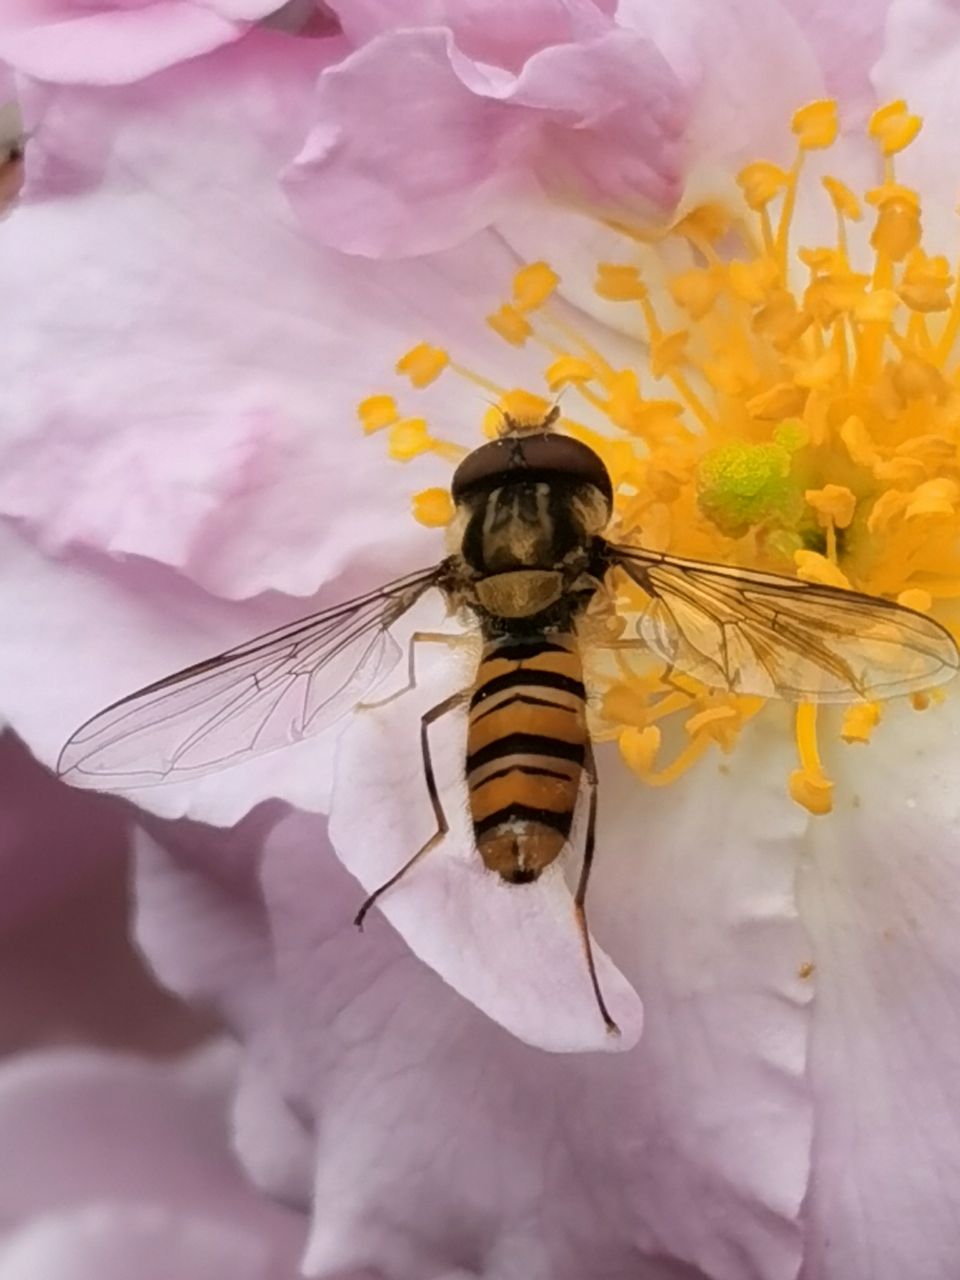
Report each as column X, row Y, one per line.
column 526, row 744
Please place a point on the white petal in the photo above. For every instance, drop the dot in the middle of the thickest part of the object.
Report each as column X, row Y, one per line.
column 880, row 895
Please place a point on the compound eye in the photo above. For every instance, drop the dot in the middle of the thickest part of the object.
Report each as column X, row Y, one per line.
column 541, row 455
column 485, row 466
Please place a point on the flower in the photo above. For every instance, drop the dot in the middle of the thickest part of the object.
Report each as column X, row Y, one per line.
column 80, row 835
column 123, row 1166
column 442, row 1142
column 104, row 43
column 794, row 1031
column 434, row 129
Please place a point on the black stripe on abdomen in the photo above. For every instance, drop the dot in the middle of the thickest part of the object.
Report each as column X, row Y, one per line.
column 516, row 700
column 515, row 812
column 527, row 677
column 529, row 770
column 524, row 650
column 528, row 744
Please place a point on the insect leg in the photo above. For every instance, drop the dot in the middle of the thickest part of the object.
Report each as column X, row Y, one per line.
column 579, row 900
column 418, row 637
column 441, row 709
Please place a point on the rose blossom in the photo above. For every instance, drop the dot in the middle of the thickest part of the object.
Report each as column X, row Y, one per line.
column 82, row 1199
column 795, row 971
column 105, row 42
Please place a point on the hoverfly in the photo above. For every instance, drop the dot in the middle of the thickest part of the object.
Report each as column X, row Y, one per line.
column 528, row 556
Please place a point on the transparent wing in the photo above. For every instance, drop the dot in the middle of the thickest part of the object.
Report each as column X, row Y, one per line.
column 267, row 693
column 760, row 633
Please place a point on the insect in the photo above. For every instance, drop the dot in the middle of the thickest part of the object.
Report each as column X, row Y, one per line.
column 528, row 557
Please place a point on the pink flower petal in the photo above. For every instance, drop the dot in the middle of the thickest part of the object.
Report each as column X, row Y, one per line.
column 75, row 41
column 272, row 343
column 114, row 1162
column 78, row 834
column 208, row 883
column 440, row 1140
column 151, row 624
column 415, row 147
column 920, row 63
column 880, row 897
column 848, row 39
column 68, row 973
column 134, row 361
column 495, row 31
column 741, row 99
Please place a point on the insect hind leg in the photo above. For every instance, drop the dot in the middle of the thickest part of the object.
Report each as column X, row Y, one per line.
column 429, row 717
column 579, row 901
column 451, row 640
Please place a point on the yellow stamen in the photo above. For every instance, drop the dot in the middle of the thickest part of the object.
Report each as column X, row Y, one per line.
column 813, row 567
column 410, row 437
column 762, row 182
column 834, row 505
column 422, row 364
column 639, row 748
column 377, row 412
column 916, row 598
column 844, row 201
column 894, row 127
column 478, row 380
column 859, row 721
column 809, row 785
column 696, row 290
column 533, row 285
column 801, row 413
column 619, row 283
column 433, row 507
column 816, row 125
column 567, row 371
column 933, row 498
column 510, row 324
column 520, row 406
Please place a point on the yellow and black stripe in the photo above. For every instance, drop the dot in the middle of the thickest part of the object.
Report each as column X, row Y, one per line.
column 526, row 744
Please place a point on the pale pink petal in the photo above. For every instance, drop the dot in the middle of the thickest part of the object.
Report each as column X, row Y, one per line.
column 78, row 835
column 229, row 350
column 880, row 897
column 207, row 881
column 103, row 43
column 148, row 623
column 226, row 336
column 416, row 147
column 110, row 1158
column 107, row 1242
column 920, row 63
column 442, row 1141
column 495, row 31
column 68, row 973
column 847, row 39
column 749, row 66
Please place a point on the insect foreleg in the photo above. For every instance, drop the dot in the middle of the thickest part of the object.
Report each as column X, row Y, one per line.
column 418, row 637
column 448, row 704
column 579, row 901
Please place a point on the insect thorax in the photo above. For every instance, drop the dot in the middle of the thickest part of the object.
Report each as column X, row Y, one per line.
column 528, row 550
